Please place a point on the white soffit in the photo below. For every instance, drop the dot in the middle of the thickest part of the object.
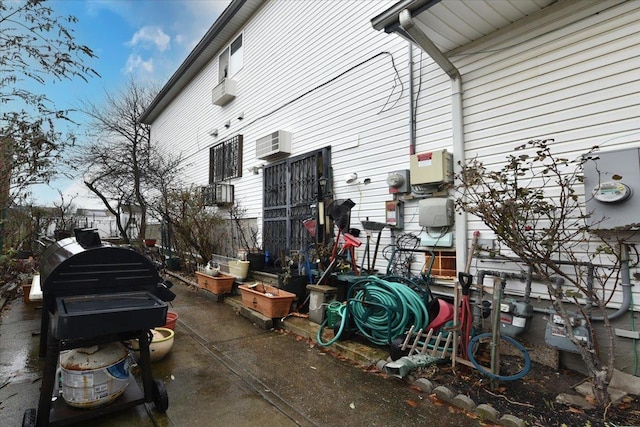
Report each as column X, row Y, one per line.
column 454, row 23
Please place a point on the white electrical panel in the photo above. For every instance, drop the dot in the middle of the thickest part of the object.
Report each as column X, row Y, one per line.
column 431, row 169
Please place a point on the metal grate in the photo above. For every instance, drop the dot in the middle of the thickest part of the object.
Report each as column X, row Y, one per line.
column 225, row 160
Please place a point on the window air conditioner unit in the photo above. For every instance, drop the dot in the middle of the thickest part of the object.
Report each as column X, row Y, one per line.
column 273, row 145
column 224, row 92
column 217, row 194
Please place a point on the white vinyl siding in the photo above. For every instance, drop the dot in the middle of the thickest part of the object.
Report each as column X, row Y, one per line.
column 320, row 71
column 296, row 76
column 570, row 77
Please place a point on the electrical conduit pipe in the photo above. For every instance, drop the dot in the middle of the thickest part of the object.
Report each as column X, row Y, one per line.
column 457, row 117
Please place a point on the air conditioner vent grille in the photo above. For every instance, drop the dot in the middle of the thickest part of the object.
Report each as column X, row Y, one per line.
column 274, row 145
column 217, row 194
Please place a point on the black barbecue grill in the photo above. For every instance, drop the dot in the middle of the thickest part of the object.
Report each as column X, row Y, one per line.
column 96, row 293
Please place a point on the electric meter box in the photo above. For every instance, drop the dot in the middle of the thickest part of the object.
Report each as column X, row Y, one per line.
column 431, row 168
column 398, row 182
column 612, row 189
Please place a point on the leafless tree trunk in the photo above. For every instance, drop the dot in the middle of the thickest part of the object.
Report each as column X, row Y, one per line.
column 118, row 164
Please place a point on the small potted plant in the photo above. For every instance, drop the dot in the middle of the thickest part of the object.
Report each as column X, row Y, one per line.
column 248, row 236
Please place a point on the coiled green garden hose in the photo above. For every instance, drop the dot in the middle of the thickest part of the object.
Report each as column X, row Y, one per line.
column 381, row 310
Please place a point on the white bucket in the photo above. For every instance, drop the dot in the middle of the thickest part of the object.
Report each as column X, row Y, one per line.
column 239, row 269
column 94, row 376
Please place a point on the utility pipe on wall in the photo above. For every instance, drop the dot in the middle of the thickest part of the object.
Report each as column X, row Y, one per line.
column 625, row 279
column 412, row 115
column 407, row 23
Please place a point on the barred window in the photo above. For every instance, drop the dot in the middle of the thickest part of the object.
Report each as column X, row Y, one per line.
column 225, row 160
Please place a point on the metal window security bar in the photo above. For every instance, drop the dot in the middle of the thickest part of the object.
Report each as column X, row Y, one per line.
column 225, row 160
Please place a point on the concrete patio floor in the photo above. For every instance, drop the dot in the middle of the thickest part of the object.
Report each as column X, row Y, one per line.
column 224, row 369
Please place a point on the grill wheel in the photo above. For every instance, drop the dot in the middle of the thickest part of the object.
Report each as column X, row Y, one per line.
column 160, row 396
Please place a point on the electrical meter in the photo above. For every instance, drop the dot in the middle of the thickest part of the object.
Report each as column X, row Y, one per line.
column 611, row 180
column 612, row 192
column 398, row 182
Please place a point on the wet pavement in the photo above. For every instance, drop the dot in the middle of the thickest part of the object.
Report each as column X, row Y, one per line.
column 224, row 370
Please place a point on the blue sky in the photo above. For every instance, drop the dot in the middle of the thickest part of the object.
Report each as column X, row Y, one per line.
column 147, row 39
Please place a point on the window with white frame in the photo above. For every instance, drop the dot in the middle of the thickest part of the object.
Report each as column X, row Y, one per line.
column 231, row 59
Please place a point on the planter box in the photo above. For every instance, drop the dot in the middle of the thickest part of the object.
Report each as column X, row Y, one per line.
column 267, row 300
column 220, row 284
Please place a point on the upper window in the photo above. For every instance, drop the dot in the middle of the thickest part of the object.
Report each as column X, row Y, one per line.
column 231, row 59
column 225, row 160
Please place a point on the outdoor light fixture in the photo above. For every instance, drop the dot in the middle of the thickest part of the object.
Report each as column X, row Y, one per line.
column 351, row 178
column 323, row 181
column 213, row 132
column 256, row 169
column 228, row 124
column 241, row 116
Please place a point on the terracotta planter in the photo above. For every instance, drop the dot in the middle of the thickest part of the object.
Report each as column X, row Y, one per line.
column 220, row 284
column 266, row 299
column 26, row 289
column 172, row 318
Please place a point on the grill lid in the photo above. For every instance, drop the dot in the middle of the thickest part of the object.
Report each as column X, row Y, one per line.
column 84, row 265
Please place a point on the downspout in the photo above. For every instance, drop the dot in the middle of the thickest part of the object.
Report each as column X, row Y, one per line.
column 421, row 39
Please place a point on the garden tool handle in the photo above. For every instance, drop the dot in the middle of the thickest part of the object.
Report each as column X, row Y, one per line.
column 465, row 280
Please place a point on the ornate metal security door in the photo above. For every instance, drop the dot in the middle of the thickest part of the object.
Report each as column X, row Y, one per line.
column 291, row 191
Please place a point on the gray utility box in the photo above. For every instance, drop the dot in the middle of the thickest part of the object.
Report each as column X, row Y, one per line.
column 612, row 189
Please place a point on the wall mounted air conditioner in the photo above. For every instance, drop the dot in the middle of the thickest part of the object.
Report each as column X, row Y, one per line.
column 217, row 194
column 274, row 145
column 224, row 92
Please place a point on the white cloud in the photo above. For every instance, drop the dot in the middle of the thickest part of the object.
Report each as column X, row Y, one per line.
column 136, row 63
column 149, row 36
column 200, row 15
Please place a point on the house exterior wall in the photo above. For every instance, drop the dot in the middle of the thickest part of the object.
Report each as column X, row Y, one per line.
column 570, row 74
column 319, row 71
